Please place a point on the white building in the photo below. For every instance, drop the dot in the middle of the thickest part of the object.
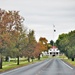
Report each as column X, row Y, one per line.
column 45, row 53
column 53, row 51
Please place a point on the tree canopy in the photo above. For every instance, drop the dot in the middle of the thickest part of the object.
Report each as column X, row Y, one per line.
column 15, row 41
column 66, row 43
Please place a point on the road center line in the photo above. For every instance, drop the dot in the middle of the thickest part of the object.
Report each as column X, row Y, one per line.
column 67, row 65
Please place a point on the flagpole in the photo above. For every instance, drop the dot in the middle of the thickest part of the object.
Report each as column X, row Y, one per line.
column 53, row 33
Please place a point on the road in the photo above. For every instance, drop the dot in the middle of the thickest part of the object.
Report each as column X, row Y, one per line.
column 52, row 66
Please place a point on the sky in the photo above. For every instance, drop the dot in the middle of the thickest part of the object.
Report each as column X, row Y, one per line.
column 42, row 15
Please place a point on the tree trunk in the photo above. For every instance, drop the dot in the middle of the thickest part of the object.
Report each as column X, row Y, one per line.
column 28, row 59
column 1, row 63
column 72, row 59
column 32, row 58
column 7, row 59
column 17, row 60
column 39, row 57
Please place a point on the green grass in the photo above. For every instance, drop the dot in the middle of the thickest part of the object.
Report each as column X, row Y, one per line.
column 70, row 61
column 64, row 58
column 12, row 64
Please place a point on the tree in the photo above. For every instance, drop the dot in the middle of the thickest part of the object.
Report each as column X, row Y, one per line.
column 17, row 31
column 10, row 30
column 44, row 44
column 40, row 46
column 29, row 50
column 2, row 32
column 37, row 50
column 49, row 45
column 66, row 44
column 62, row 41
column 52, row 42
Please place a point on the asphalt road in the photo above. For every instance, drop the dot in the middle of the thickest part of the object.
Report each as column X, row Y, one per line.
column 53, row 66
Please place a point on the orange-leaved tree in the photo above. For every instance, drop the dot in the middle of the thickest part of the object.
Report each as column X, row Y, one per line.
column 40, row 46
column 44, row 44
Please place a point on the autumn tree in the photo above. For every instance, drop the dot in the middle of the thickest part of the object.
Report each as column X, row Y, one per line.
column 40, row 46
column 17, row 31
column 3, row 32
column 10, row 30
column 37, row 50
column 28, row 51
column 44, row 44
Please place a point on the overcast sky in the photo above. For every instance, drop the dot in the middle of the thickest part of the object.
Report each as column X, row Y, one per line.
column 41, row 15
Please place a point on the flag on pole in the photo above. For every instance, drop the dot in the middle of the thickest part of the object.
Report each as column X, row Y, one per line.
column 54, row 30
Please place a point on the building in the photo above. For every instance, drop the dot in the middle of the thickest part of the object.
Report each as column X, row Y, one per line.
column 53, row 51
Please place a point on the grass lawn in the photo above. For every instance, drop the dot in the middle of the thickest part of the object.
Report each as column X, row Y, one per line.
column 13, row 64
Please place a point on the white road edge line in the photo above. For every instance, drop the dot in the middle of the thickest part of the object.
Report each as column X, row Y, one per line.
column 67, row 65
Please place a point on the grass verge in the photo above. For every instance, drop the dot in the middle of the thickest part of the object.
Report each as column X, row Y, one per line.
column 69, row 61
column 65, row 59
column 13, row 65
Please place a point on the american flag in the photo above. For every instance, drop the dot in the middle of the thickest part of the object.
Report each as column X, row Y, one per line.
column 54, row 30
column 54, row 27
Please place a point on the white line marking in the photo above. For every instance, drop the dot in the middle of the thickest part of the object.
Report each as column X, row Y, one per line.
column 67, row 65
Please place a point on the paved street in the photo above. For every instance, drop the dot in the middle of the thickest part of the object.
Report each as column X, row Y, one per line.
column 53, row 66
